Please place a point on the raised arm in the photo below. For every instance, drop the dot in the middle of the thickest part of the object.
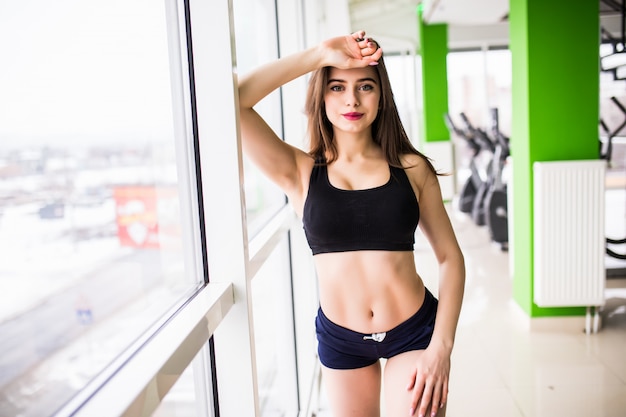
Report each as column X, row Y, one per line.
column 281, row 162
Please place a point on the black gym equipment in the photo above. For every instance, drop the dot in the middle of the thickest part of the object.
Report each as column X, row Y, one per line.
column 606, row 150
column 474, row 181
column 485, row 199
column 496, row 199
column 606, row 154
column 473, row 192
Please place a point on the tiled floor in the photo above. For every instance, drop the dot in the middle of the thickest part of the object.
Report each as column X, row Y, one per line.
column 503, row 365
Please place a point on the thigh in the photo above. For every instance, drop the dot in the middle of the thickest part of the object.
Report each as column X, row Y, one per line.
column 397, row 376
column 353, row 392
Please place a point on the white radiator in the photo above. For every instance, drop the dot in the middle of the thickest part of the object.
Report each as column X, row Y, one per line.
column 569, row 241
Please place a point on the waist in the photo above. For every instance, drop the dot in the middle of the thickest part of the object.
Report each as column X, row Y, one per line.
column 369, row 290
column 423, row 315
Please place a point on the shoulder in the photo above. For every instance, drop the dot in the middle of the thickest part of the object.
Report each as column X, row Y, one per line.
column 417, row 167
column 418, row 171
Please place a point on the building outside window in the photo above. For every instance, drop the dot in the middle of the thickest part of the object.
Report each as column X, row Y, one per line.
column 97, row 221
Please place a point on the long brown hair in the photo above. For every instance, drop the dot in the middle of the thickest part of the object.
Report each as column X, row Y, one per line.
column 387, row 129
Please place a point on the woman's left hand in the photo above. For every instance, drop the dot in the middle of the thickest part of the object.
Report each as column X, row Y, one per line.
column 429, row 381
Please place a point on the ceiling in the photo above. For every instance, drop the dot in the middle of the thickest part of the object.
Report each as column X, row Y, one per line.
column 471, row 23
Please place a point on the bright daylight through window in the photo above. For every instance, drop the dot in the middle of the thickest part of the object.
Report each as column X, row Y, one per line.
column 96, row 199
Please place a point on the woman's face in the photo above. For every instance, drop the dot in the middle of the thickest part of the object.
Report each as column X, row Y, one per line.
column 351, row 98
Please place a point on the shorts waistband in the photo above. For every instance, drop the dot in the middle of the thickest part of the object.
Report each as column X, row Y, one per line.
column 423, row 316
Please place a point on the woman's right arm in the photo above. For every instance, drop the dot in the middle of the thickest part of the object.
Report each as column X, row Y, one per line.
column 279, row 161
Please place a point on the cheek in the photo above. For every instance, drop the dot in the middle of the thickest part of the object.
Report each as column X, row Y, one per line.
column 330, row 107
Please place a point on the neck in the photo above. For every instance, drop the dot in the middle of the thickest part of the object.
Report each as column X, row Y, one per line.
column 353, row 145
column 358, row 152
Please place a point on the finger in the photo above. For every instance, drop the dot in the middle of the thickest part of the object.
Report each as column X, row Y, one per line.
column 368, row 47
column 373, row 59
column 372, row 46
column 418, row 391
column 427, row 397
column 444, row 394
column 411, row 384
column 436, row 401
column 359, row 35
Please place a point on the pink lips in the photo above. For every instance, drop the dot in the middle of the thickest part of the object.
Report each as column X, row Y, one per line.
column 353, row 116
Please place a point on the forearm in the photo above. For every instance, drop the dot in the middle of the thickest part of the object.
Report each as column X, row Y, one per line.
column 342, row 52
column 451, row 289
column 263, row 80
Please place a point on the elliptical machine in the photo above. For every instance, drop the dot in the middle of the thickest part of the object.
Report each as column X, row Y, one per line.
column 479, row 209
column 606, row 152
column 474, row 190
column 485, row 199
column 496, row 198
column 474, row 181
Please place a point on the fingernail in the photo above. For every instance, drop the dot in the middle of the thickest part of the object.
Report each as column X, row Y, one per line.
column 411, row 411
column 374, row 63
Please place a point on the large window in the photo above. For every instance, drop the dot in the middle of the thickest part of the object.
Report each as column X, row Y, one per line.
column 402, row 74
column 256, row 43
column 274, row 335
column 477, row 82
column 97, row 227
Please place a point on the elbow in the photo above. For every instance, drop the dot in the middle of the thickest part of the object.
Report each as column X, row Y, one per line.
column 243, row 101
column 246, row 102
column 453, row 261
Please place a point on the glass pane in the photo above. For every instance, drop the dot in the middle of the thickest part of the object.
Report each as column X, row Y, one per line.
column 273, row 335
column 255, row 33
column 466, row 93
column 94, row 215
column 477, row 82
column 189, row 396
column 401, row 69
column 466, row 87
column 499, row 81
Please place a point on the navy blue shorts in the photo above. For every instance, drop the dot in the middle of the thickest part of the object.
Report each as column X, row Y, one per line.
column 341, row 348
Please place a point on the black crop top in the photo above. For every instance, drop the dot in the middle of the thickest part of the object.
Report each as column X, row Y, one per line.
column 379, row 218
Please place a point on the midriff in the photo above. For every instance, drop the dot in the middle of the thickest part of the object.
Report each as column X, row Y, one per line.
column 369, row 291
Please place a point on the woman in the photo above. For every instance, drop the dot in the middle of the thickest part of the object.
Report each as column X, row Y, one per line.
column 361, row 191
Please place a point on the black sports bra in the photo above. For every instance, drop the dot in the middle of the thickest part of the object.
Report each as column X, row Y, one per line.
column 379, row 218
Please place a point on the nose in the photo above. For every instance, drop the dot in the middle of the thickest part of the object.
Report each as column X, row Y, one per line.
column 352, row 98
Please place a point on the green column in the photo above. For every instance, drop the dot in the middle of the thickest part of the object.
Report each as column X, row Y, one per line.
column 433, row 49
column 555, row 57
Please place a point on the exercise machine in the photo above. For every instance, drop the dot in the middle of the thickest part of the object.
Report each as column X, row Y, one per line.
column 496, row 200
column 606, row 152
column 486, row 145
column 474, row 190
column 474, row 181
column 484, row 196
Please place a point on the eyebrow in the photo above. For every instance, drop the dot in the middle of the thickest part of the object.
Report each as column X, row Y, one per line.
column 360, row 80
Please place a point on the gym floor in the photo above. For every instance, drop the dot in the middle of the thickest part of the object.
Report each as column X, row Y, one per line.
column 505, row 366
